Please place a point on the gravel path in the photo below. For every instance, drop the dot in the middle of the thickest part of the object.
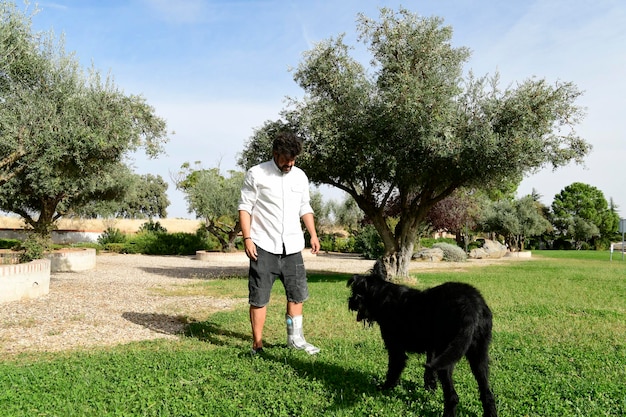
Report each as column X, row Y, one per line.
column 131, row 298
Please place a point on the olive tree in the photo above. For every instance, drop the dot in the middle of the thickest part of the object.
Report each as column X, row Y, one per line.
column 412, row 128
column 66, row 130
column 214, row 199
column 515, row 220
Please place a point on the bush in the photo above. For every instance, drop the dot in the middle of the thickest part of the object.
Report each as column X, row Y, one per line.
column 451, row 253
column 166, row 244
column 428, row 242
column 111, row 235
column 152, row 227
column 368, row 242
column 33, row 248
column 9, row 243
column 345, row 244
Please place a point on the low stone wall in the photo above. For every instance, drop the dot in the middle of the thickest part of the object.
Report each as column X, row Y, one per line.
column 62, row 237
column 72, row 260
column 27, row 280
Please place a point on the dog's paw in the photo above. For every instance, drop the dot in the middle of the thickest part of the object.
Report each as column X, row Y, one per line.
column 387, row 386
column 430, row 379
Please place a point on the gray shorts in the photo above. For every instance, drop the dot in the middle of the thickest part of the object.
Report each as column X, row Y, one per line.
column 264, row 271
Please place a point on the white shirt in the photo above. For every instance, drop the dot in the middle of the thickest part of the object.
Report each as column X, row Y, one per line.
column 276, row 201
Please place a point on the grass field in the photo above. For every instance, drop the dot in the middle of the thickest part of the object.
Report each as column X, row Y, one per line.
column 559, row 349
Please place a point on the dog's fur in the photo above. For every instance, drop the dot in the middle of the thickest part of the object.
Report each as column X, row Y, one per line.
column 446, row 322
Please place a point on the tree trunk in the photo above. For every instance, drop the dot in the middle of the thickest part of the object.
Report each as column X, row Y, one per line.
column 397, row 264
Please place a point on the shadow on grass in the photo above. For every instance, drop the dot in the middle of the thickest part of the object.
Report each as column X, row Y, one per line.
column 207, row 272
column 347, row 387
column 157, row 322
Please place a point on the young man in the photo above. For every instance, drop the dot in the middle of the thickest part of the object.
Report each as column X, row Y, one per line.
column 274, row 197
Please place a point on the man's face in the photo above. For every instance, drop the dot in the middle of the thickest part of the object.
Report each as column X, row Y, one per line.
column 285, row 163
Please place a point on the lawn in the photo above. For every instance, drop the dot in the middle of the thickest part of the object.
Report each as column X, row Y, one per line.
column 559, row 349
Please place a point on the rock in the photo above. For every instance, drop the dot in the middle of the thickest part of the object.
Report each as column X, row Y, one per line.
column 428, row 254
column 491, row 249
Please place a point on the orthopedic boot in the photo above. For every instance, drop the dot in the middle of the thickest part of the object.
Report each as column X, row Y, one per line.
column 295, row 336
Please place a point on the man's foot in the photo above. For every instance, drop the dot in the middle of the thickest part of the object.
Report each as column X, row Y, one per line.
column 256, row 352
column 301, row 344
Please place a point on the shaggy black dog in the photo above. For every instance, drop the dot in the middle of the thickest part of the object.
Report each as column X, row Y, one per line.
column 446, row 322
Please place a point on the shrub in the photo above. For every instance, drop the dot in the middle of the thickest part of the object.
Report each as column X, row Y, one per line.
column 451, row 253
column 111, row 235
column 428, row 242
column 152, row 227
column 33, row 248
column 166, row 244
column 345, row 244
column 9, row 243
column 368, row 242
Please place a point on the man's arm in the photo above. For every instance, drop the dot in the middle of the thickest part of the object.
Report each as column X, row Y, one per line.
column 244, row 221
column 309, row 223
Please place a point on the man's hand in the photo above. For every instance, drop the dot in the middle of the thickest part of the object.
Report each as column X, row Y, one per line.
column 315, row 245
column 250, row 249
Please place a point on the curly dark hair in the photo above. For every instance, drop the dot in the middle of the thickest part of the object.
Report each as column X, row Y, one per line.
column 287, row 144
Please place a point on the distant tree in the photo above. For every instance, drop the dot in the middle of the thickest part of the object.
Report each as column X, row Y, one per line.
column 412, row 130
column 214, row 199
column 515, row 220
column 70, row 129
column 582, row 214
column 455, row 214
column 348, row 214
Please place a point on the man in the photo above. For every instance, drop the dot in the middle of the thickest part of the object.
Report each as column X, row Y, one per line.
column 274, row 197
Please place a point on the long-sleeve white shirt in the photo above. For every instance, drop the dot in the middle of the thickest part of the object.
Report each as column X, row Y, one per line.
column 276, row 201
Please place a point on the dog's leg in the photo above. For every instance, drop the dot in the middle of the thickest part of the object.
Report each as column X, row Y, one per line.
column 450, row 397
column 430, row 377
column 397, row 363
column 478, row 359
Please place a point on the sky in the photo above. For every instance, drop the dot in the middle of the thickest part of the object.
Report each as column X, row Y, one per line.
column 216, row 70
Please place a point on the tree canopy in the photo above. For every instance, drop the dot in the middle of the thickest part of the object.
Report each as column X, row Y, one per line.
column 214, row 199
column 581, row 213
column 412, row 128
column 65, row 131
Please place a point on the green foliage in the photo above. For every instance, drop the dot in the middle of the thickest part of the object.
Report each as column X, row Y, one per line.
column 33, row 247
column 213, row 198
column 429, row 242
column 112, row 235
column 152, row 227
column 136, row 197
column 558, row 350
column 515, row 220
column 9, row 243
column 582, row 214
column 367, row 242
column 333, row 243
column 61, row 161
column 166, row 243
column 451, row 252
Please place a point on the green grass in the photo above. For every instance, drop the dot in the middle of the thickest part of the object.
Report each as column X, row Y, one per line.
column 559, row 349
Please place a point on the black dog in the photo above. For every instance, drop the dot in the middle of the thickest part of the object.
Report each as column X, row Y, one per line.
column 446, row 322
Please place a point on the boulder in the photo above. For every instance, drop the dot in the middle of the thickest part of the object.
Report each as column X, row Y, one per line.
column 491, row 249
column 428, row 254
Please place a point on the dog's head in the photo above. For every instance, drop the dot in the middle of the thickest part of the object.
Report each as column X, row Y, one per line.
column 363, row 293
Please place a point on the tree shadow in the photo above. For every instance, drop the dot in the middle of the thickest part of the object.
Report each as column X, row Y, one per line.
column 158, row 322
column 205, row 272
